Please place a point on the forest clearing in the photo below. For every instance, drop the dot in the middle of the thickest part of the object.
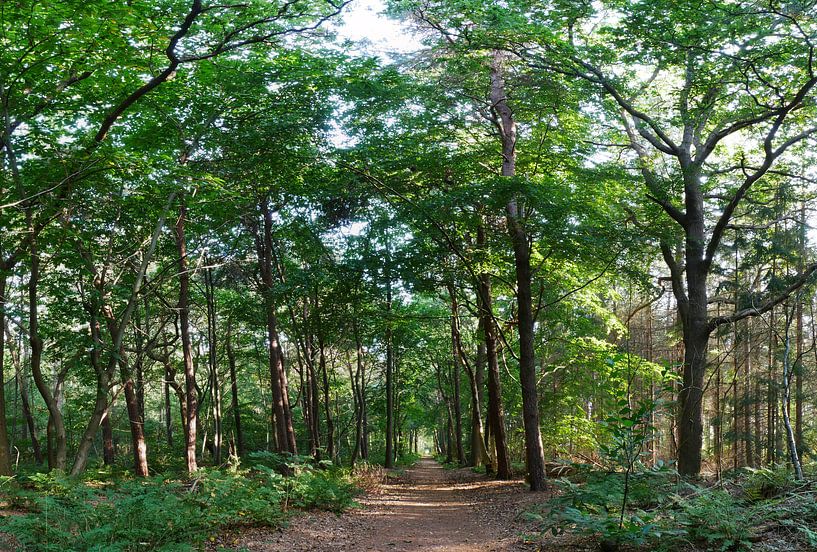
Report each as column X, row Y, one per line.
column 408, row 275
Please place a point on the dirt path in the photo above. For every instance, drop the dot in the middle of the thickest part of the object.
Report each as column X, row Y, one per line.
column 430, row 509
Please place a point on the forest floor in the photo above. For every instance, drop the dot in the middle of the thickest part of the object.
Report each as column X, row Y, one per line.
column 426, row 508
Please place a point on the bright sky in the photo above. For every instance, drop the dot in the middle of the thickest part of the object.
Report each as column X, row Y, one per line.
column 376, row 34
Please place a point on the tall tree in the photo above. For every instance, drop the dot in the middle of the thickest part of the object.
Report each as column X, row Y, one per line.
column 729, row 89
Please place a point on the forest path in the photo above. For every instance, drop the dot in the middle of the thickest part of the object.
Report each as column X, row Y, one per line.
column 428, row 509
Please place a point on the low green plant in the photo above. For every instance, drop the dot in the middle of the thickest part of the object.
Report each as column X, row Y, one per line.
column 668, row 515
column 769, row 482
column 593, row 507
column 407, row 459
column 166, row 514
column 715, row 518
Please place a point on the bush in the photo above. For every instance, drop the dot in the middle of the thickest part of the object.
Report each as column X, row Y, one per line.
column 666, row 514
column 716, row 518
column 163, row 514
column 764, row 483
column 594, row 506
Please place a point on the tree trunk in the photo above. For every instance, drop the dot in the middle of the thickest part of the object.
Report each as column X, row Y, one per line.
column 285, row 435
column 5, row 451
column 191, row 396
column 496, row 416
column 695, row 323
column 455, row 377
column 794, row 456
column 506, row 127
column 747, row 393
column 389, row 372
column 99, row 412
column 239, row 432
column 478, row 453
column 108, row 450
column 330, row 424
column 21, row 383
column 310, row 394
column 690, row 397
column 168, row 411
column 212, row 361
column 137, row 428
column 135, row 420
column 798, row 364
column 314, row 407
column 57, row 449
column 357, row 383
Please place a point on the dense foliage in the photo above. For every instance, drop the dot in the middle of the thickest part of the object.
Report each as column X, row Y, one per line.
column 555, row 234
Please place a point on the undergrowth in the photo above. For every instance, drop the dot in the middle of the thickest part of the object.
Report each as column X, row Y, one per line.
column 166, row 513
column 665, row 513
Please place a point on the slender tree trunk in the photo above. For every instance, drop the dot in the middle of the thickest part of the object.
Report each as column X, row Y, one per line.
column 496, row 415
column 478, row 453
column 449, row 448
column 330, row 424
column 191, row 396
column 455, row 377
column 168, row 375
column 310, row 394
column 142, row 330
column 21, row 384
column 449, row 419
column 771, row 392
column 239, row 432
column 757, row 454
column 389, row 373
column 5, row 451
column 101, row 408
column 735, row 397
column 479, row 376
column 314, row 406
column 719, row 416
column 798, row 364
column 98, row 413
column 357, row 382
column 747, row 393
column 794, row 456
column 506, row 126
column 178, row 390
column 108, row 450
column 137, row 428
column 57, row 439
column 29, row 419
column 457, row 413
column 212, row 358
column 285, row 435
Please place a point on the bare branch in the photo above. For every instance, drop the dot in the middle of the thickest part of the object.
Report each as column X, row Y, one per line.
column 802, row 279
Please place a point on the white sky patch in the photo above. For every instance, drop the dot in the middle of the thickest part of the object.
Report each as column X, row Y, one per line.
column 372, row 33
column 364, row 23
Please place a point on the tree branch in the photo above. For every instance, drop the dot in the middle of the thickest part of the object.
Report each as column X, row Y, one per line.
column 802, row 279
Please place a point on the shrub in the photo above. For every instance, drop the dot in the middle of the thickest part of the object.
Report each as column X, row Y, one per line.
column 164, row 514
column 716, row 518
column 764, row 483
column 594, row 506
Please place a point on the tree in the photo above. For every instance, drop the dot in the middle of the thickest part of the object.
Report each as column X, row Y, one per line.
column 729, row 89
